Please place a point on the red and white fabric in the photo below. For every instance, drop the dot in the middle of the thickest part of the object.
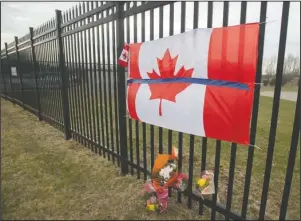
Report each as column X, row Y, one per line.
column 217, row 111
column 124, row 57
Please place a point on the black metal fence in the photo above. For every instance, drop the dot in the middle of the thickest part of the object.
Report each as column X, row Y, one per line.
column 66, row 74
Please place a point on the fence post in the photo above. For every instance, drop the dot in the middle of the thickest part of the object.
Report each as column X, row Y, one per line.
column 121, row 92
column 64, row 76
column 9, row 74
column 34, row 63
column 3, row 79
column 18, row 70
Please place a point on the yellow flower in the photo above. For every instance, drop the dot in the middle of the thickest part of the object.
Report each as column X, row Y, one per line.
column 202, row 183
column 151, row 207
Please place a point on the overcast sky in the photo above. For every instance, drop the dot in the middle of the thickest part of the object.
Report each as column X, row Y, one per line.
column 17, row 17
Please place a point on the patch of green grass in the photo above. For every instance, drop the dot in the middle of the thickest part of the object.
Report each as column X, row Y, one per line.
column 280, row 157
column 46, row 177
column 280, row 160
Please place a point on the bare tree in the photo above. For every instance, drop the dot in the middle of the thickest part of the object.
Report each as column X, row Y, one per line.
column 291, row 69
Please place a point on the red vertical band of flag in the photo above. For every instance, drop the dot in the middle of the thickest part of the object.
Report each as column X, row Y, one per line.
column 232, row 57
column 134, row 73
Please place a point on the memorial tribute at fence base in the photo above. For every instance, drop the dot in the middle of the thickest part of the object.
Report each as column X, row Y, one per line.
column 164, row 175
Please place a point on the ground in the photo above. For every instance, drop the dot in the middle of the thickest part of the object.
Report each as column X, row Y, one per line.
column 289, row 87
column 48, row 139
column 46, row 177
column 279, row 164
column 285, row 95
column 288, row 92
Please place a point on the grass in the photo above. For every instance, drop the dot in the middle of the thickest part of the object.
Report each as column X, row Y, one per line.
column 280, row 160
column 46, row 177
column 280, row 157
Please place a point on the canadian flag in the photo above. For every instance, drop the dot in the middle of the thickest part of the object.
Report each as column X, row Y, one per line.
column 124, row 57
column 200, row 82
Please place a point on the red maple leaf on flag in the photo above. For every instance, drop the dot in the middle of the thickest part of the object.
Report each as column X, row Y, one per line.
column 168, row 91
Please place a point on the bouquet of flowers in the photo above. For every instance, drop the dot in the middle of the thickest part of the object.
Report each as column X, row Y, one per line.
column 165, row 168
column 153, row 205
column 205, row 185
column 164, row 175
column 182, row 182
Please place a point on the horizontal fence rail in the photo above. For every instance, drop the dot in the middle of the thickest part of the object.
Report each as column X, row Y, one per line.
column 66, row 73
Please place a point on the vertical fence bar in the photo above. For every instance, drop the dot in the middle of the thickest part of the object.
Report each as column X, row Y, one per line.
column 19, row 70
column 243, row 13
column 78, row 82
column 9, row 75
column 71, row 79
column 115, row 92
column 144, row 124
column 262, row 19
column 129, row 119
column 48, row 62
column 161, row 36
column 3, row 79
column 51, row 88
column 121, row 94
column 95, row 46
column 180, row 134
column 190, row 173
column 84, row 75
column 81, row 81
column 38, row 77
column 276, row 101
column 136, row 122
column 55, row 97
column 218, row 142
column 291, row 160
column 110, row 85
column 53, row 70
column 152, row 134
column 68, row 62
column 43, row 71
column 60, row 112
column 203, row 165
column 171, row 32
column 191, row 148
column 64, row 76
column 92, row 85
column 88, row 75
column 75, row 81
column 45, row 64
column 100, row 76
column 104, row 74
column 204, row 139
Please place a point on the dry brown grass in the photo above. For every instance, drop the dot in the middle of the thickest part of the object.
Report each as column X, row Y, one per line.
column 46, row 177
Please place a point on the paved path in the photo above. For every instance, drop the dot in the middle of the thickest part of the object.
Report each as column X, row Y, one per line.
column 291, row 96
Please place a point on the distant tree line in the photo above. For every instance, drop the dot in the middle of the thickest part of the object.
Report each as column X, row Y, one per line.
column 291, row 70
